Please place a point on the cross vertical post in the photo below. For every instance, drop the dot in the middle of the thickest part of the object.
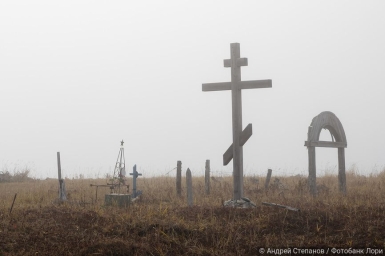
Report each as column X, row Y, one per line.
column 240, row 137
column 236, row 98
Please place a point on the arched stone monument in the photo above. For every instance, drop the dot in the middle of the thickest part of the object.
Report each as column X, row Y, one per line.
column 326, row 120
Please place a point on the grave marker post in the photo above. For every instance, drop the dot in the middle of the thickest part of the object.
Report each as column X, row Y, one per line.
column 240, row 137
column 207, row 177
column 189, row 187
column 62, row 191
column 179, row 178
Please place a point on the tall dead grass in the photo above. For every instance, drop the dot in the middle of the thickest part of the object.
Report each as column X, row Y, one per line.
column 160, row 223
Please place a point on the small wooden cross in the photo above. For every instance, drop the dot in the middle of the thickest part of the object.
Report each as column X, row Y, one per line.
column 135, row 175
column 240, row 137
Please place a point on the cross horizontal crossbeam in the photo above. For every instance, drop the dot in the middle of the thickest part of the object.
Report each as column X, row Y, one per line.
column 254, row 84
column 325, row 144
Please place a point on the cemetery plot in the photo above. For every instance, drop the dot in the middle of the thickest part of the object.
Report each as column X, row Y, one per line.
column 118, row 197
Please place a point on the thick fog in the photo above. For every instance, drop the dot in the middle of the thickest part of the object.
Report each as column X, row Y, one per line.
column 80, row 76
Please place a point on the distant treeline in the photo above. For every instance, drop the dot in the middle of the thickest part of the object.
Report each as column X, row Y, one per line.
column 16, row 176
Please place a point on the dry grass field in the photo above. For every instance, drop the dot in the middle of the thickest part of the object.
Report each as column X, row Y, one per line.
column 160, row 223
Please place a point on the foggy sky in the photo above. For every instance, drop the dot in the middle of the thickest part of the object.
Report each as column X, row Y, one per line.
column 80, row 76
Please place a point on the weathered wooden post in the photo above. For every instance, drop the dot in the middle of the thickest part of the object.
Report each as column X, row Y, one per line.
column 207, row 177
column 135, row 175
column 189, row 188
column 235, row 151
column 179, row 178
column 62, row 191
column 268, row 177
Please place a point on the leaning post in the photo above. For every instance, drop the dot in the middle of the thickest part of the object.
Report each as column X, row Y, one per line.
column 268, row 177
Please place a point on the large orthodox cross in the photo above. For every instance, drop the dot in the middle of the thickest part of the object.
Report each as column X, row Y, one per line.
column 240, row 137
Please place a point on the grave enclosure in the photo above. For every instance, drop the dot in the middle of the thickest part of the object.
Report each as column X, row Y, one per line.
column 117, row 196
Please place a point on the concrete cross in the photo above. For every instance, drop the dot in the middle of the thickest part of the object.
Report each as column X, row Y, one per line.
column 240, row 137
column 135, row 175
